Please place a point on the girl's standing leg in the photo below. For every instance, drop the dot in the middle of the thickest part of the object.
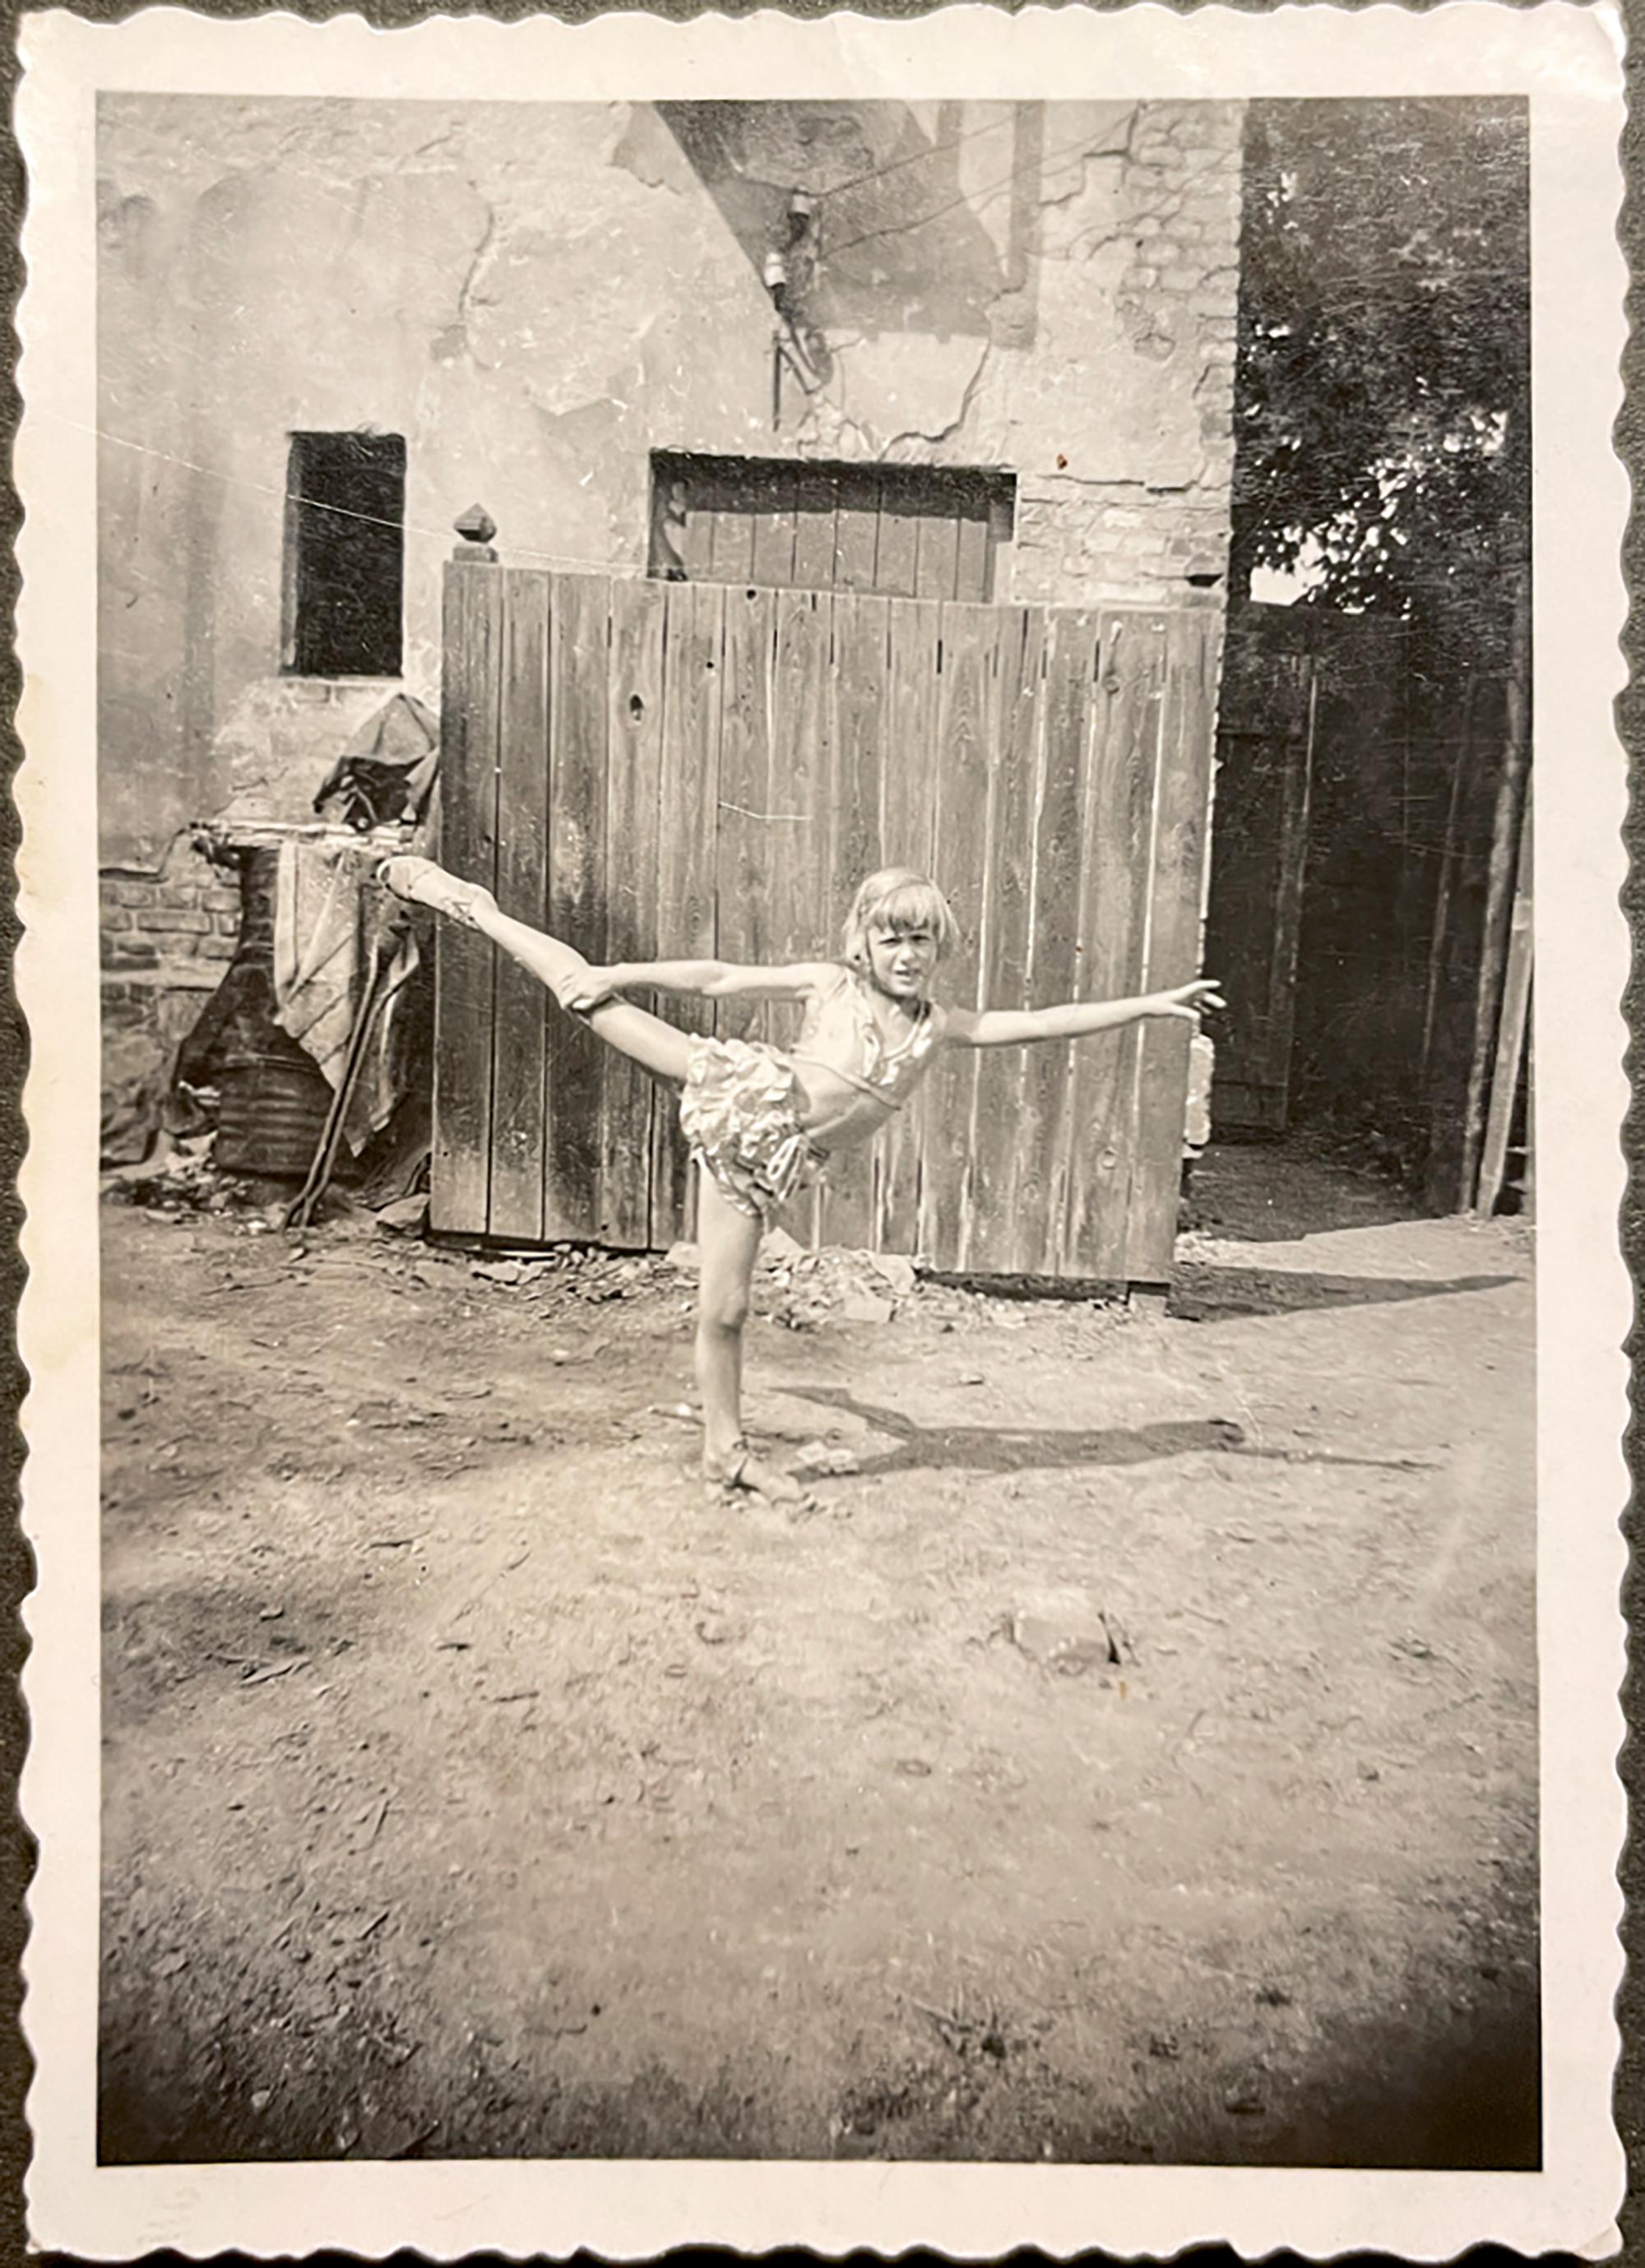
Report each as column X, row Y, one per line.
column 727, row 1241
column 727, row 1238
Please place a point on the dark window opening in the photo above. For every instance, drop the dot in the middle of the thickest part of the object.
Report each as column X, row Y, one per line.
column 345, row 555
column 902, row 531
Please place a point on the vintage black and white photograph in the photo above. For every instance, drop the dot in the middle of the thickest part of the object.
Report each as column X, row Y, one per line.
column 818, row 1168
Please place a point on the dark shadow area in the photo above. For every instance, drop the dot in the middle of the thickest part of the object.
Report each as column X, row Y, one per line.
column 1367, row 880
column 1210, row 1290
column 1299, row 1184
column 898, row 245
column 1472, row 2099
column 1467, row 2100
column 1055, row 1448
column 1203, row 1293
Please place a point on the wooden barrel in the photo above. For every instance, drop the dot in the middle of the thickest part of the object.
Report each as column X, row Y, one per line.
column 273, row 1096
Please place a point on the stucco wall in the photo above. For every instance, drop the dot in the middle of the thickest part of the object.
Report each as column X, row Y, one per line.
column 538, row 296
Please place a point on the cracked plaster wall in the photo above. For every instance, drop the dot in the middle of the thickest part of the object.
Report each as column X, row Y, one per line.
column 538, row 296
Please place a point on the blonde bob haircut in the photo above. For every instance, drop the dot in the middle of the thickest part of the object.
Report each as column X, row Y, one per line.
column 898, row 900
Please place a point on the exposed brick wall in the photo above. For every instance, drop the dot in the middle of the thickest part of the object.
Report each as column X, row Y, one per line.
column 167, row 939
column 186, row 916
column 1086, row 541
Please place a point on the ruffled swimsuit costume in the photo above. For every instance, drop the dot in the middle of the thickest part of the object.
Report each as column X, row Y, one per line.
column 741, row 1103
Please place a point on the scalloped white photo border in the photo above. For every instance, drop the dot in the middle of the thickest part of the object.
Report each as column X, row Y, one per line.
column 1567, row 61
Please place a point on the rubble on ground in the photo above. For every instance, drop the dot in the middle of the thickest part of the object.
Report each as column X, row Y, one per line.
column 178, row 1176
column 794, row 1284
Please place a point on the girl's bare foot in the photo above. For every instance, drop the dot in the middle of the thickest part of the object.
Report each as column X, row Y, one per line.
column 740, row 1469
column 424, row 884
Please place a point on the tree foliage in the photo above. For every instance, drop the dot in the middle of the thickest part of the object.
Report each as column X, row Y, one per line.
column 1383, row 405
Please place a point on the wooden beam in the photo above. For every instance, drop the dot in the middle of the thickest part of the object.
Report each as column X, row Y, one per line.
column 1447, row 874
column 519, row 1023
column 464, row 963
column 1510, row 1035
column 1510, row 796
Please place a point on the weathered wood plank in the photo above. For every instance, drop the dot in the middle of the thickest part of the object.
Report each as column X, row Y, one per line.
column 860, row 666
column 1042, row 1189
column 966, row 713
column 685, row 866
column 1001, row 1072
column 907, row 838
column 815, row 533
column 856, row 540
column 1510, row 1038
column 574, row 1076
column 907, row 805
column 732, row 556
column 1512, row 788
column 936, row 556
column 520, row 1013
column 465, row 973
column 745, row 851
column 1115, row 806
column 634, row 744
column 1263, row 747
column 797, row 847
column 773, row 562
column 1176, row 885
column 897, row 547
column 796, row 853
column 1461, row 756
column 1288, row 932
column 1242, row 937
column 971, row 562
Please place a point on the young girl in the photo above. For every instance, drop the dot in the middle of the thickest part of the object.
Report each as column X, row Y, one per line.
column 762, row 1121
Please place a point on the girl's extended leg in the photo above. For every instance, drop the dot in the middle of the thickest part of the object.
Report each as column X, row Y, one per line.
column 663, row 1048
column 728, row 1240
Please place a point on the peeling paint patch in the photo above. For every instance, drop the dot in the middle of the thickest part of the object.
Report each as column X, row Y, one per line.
column 882, row 380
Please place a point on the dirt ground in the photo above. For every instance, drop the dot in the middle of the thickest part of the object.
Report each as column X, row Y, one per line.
column 1132, row 1758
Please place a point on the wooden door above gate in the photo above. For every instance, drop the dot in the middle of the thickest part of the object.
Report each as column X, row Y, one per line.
column 651, row 769
column 898, row 531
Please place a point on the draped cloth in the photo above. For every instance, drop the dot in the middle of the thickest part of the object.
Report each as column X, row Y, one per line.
column 330, row 925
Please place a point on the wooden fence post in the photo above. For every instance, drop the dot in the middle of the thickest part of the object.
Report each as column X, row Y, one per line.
column 1510, row 797
column 465, row 964
column 476, row 527
column 1510, row 1035
column 1461, row 766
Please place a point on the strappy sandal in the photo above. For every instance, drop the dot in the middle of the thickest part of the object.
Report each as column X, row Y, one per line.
column 730, row 1479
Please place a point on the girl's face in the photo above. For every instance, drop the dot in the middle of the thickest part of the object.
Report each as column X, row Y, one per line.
column 901, row 962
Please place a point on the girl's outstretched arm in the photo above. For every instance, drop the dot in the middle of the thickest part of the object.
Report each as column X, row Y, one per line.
column 713, row 980
column 1074, row 1020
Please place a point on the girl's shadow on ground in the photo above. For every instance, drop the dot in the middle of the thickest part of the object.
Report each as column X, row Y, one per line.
column 1053, row 1448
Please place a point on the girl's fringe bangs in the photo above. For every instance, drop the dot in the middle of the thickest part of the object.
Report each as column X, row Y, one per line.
column 900, row 900
column 912, row 905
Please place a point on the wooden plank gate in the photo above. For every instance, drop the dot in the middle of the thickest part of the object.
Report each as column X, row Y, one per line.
column 651, row 768
column 1264, row 741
